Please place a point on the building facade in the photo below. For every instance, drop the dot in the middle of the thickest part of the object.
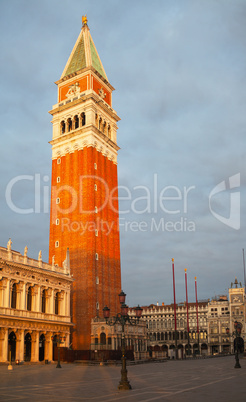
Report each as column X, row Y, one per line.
column 161, row 329
column 34, row 306
column 84, row 195
column 105, row 337
column 213, row 334
column 218, row 322
column 237, row 301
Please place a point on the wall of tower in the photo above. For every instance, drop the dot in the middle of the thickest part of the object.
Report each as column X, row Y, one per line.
column 85, row 82
column 84, row 180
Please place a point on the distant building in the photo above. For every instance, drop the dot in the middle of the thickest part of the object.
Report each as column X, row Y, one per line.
column 34, row 306
column 218, row 322
column 161, row 328
column 214, row 334
column 109, row 338
column 237, row 301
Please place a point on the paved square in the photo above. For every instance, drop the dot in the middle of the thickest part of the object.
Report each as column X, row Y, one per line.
column 200, row 380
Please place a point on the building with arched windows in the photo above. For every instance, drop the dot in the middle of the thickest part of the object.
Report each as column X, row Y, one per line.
column 160, row 322
column 109, row 338
column 34, row 306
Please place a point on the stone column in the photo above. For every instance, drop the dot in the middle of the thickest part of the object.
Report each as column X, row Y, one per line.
column 3, row 289
column 4, row 345
column 48, row 349
column 50, row 300
column 35, row 346
column 38, row 301
column 19, row 295
column 20, row 345
column 22, row 298
column 36, row 298
column 6, row 293
column 61, row 309
column 52, row 304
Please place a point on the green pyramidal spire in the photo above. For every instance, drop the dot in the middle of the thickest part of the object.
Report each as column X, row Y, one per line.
column 84, row 54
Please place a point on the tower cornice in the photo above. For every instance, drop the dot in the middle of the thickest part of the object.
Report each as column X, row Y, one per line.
column 85, row 70
column 66, row 105
column 83, row 133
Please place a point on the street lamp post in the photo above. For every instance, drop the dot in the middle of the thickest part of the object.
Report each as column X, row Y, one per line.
column 60, row 339
column 123, row 318
column 236, row 333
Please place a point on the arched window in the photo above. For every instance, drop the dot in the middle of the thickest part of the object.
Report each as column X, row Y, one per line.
column 43, row 301
column 109, row 131
column 76, row 122
column 103, row 338
column 69, row 124
column 100, row 124
column 13, row 296
column 28, row 347
column 41, row 347
column 63, row 127
column 83, row 120
column 29, row 299
column 57, row 303
column 12, row 345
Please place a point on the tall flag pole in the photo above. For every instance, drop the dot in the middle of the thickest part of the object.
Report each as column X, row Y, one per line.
column 244, row 271
column 197, row 320
column 174, row 302
column 187, row 311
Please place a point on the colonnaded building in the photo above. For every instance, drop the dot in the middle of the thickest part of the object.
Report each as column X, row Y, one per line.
column 34, row 306
column 204, row 328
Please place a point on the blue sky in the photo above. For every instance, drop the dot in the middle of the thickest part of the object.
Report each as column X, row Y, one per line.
column 178, row 68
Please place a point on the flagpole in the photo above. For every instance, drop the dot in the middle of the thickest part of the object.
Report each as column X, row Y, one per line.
column 187, row 312
column 244, row 270
column 197, row 321
column 175, row 318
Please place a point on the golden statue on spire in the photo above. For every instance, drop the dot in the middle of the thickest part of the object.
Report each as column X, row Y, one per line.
column 84, row 20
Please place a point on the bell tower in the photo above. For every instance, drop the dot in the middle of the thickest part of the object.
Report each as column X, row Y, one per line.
column 84, row 227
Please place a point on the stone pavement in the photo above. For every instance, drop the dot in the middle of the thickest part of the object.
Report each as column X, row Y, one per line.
column 199, row 380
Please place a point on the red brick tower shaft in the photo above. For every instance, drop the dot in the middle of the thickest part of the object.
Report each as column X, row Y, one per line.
column 84, row 196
